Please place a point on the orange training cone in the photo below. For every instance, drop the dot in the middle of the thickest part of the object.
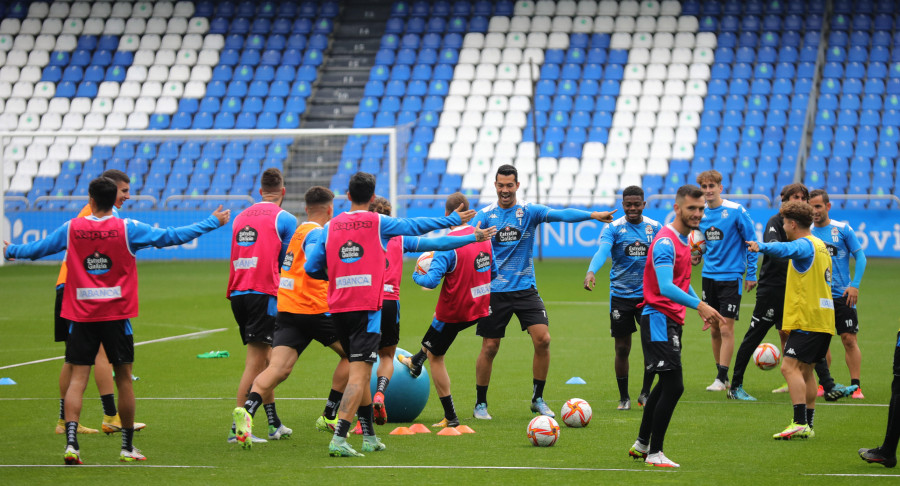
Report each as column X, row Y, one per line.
column 449, row 431
column 465, row 429
column 402, row 431
column 419, row 429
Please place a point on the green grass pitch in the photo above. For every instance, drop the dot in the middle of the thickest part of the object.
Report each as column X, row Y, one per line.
column 186, row 401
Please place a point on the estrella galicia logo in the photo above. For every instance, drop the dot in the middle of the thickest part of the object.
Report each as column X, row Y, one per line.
column 288, row 261
column 637, row 249
column 832, row 250
column 713, row 234
column 509, row 235
column 246, row 236
column 482, row 262
column 351, row 252
column 97, row 263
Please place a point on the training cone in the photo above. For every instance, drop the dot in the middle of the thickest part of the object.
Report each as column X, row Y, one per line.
column 419, row 429
column 449, row 431
column 576, row 380
column 402, row 431
column 7, row 381
column 465, row 429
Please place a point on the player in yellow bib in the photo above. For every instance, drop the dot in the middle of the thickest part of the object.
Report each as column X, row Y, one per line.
column 808, row 312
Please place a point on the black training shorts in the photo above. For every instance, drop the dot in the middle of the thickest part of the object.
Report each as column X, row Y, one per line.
column 60, row 325
column 806, row 346
column 440, row 335
column 845, row 317
column 525, row 304
column 661, row 342
column 298, row 330
column 723, row 296
column 359, row 333
column 769, row 309
column 85, row 338
column 623, row 314
column 255, row 315
column 390, row 323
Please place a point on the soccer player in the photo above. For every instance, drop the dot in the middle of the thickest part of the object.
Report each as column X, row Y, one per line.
column 351, row 257
column 667, row 293
column 769, row 308
column 886, row 454
column 465, row 298
column 390, row 312
column 302, row 317
column 626, row 240
column 101, row 297
column 842, row 243
column 514, row 290
column 726, row 225
column 808, row 312
column 260, row 238
column 102, row 369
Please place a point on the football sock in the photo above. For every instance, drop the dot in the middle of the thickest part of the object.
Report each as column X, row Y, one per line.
column 72, row 434
column 800, row 413
column 342, row 429
column 272, row 415
column 419, row 358
column 722, row 373
column 824, row 375
column 648, row 382
column 127, row 436
column 449, row 409
column 854, row 382
column 810, row 414
column 671, row 386
column 622, row 381
column 538, row 390
column 366, row 419
column 109, row 404
column 62, row 408
column 481, row 394
column 892, row 435
column 254, row 400
column 382, row 384
column 331, row 406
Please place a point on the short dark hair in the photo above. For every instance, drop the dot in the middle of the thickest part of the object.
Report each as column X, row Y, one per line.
column 271, row 180
column 103, row 191
column 361, row 188
column 454, row 200
column 820, row 192
column 800, row 212
column 318, row 196
column 633, row 191
column 380, row 205
column 791, row 189
column 506, row 170
column 116, row 175
column 709, row 175
column 688, row 190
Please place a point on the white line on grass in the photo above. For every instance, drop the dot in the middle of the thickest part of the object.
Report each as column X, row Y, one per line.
column 512, row 468
column 597, row 303
column 858, row 475
column 160, row 340
column 110, row 465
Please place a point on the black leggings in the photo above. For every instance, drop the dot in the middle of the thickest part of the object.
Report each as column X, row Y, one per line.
column 659, row 409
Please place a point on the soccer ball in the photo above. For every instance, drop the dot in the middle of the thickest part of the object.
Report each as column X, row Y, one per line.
column 576, row 413
column 697, row 242
column 424, row 262
column 543, row 431
column 766, row 356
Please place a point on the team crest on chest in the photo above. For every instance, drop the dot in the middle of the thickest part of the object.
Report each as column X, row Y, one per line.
column 724, row 214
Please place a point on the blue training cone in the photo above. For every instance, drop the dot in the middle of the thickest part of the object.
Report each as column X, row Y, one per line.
column 576, row 380
column 7, row 381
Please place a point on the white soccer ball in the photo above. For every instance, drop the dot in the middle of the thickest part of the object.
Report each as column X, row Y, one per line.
column 766, row 356
column 424, row 262
column 576, row 413
column 543, row 431
column 697, row 242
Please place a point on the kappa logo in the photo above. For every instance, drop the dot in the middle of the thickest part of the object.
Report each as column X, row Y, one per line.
column 494, row 216
column 791, row 351
column 772, row 230
column 427, row 344
column 373, row 355
column 660, row 364
column 623, row 231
